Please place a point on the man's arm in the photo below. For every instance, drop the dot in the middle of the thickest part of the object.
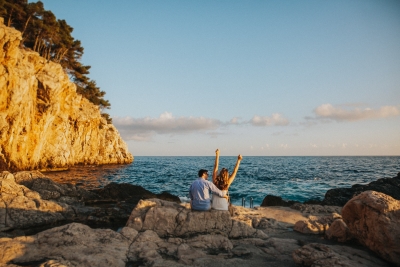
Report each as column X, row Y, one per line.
column 215, row 190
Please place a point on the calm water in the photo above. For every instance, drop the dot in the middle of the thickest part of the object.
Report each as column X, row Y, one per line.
column 292, row 178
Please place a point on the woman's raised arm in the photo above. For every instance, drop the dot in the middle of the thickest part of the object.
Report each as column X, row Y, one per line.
column 233, row 175
column 215, row 172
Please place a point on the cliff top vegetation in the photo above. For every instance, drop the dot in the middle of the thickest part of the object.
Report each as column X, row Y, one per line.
column 51, row 38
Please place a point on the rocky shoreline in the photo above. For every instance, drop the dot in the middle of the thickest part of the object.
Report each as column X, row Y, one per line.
column 44, row 223
column 340, row 196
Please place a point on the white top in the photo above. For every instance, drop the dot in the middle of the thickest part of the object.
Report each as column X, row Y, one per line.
column 219, row 203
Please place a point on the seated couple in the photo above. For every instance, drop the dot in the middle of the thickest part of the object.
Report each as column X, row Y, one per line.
column 199, row 191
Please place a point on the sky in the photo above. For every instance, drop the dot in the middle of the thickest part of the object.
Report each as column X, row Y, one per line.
column 257, row 78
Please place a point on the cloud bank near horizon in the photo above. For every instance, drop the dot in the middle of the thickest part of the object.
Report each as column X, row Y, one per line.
column 143, row 129
column 340, row 113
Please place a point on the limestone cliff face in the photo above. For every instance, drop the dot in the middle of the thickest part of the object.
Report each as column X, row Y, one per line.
column 44, row 123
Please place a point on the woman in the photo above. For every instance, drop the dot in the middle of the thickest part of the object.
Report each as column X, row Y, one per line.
column 223, row 180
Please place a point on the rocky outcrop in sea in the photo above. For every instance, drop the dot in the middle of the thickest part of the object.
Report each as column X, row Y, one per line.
column 44, row 123
column 340, row 196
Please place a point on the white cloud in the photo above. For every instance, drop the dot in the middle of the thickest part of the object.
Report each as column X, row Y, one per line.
column 340, row 113
column 276, row 119
column 142, row 129
column 234, row 120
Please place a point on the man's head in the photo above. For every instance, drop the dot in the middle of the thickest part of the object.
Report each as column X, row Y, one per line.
column 203, row 173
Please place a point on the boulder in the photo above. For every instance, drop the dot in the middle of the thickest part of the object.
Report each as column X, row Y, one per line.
column 316, row 225
column 21, row 207
column 338, row 231
column 50, row 190
column 340, row 196
column 172, row 219
column 324, row 255
column 69, row 245
column 373, row 218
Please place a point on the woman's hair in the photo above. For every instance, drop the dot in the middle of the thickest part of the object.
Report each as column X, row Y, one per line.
column 222, row 179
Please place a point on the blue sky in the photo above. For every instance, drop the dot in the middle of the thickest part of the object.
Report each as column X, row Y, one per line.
column 253, row 77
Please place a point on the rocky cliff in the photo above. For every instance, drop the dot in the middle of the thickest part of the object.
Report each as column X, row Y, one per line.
column 44, row 123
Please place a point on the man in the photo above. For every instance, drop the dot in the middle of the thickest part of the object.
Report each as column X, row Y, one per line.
column 199, row 192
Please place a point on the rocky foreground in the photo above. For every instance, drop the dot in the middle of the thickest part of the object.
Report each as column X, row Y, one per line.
column 365, row 232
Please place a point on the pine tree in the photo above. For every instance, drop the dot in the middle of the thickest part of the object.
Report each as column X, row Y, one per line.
column 52, row 39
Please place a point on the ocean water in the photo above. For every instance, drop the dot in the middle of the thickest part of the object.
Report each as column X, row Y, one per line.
column 292, row 178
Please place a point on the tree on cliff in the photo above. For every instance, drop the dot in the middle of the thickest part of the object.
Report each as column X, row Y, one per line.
column 52, row 39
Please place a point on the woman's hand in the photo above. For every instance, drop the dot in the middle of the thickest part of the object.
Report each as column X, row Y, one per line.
column 240, row 157
column 217, row 152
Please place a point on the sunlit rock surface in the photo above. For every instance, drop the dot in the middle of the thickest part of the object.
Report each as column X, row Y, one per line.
column 44, row 123
column 173, row 219
column 374, row 219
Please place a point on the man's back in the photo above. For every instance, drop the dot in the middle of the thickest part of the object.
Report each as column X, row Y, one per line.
column 199, row 194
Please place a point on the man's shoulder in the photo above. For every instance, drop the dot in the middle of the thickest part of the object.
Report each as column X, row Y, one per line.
column 198, row 180
column 207, row 182
column 201, row 180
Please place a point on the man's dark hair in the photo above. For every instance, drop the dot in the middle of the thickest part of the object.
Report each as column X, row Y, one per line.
column 201, row 172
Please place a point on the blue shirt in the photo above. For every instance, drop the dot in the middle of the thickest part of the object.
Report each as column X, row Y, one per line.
column 199, row 193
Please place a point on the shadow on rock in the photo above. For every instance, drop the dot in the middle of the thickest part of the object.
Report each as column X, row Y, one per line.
column 31, row 202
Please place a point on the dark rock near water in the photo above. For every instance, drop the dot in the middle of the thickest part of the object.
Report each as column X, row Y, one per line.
column 131, row 193
column 340, row 196
column 270, row 200
column 50, row 190
column 55, row 204
column 116, row 201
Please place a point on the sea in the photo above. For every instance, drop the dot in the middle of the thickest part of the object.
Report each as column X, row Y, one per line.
column 292, row 178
